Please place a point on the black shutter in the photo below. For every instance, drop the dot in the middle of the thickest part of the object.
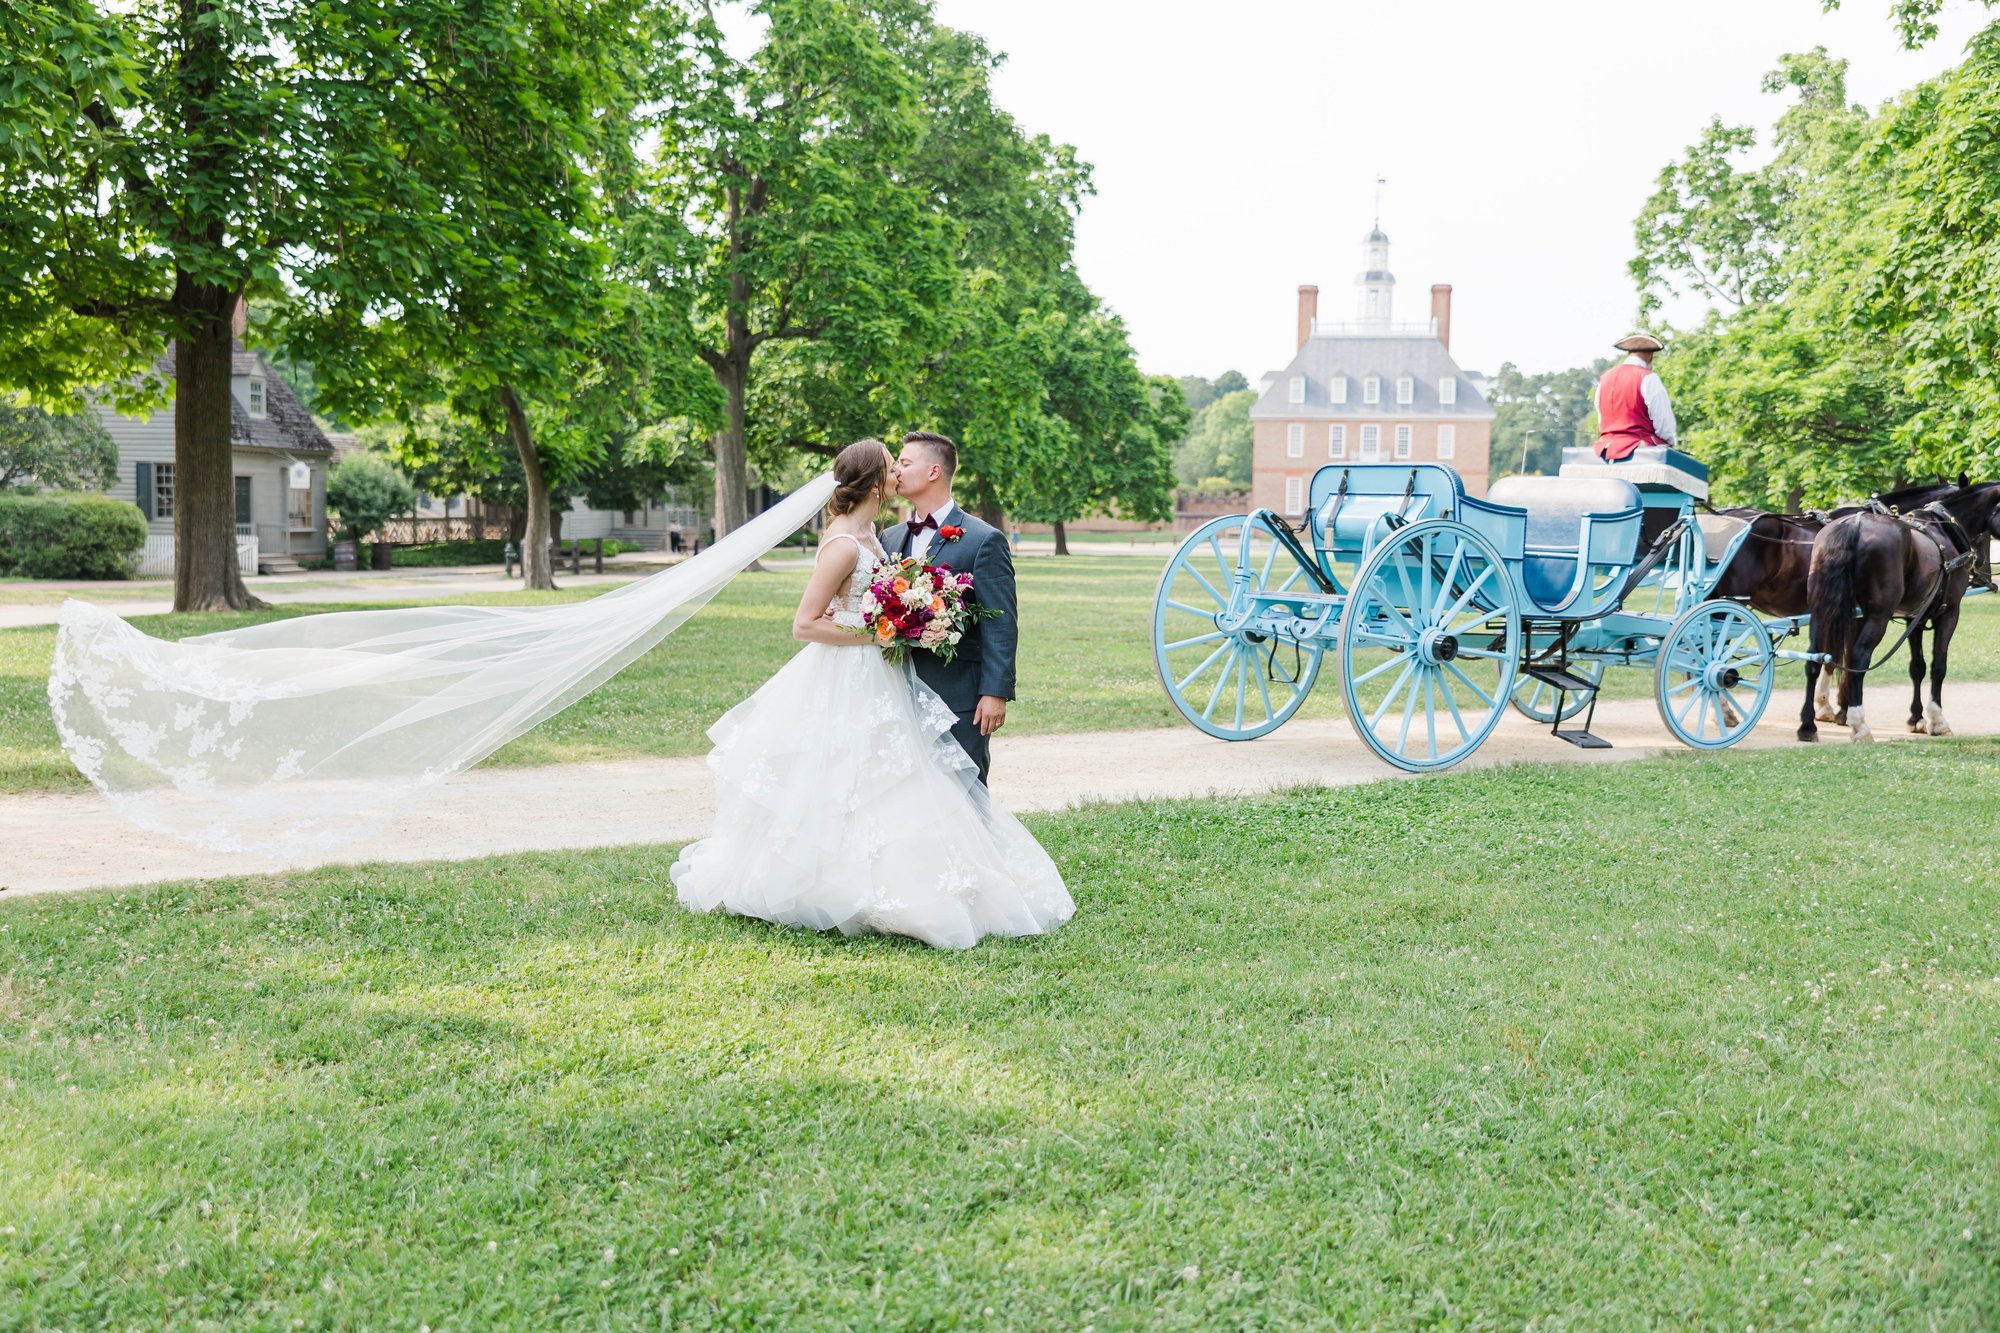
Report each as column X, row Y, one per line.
column 145, row 489
column 243, row 499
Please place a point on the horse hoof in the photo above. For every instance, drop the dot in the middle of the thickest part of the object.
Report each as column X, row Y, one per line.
column 1934, row 721
column 1826, row 715
column 1808, row 736
column 1940, row 729
column 1919, row 728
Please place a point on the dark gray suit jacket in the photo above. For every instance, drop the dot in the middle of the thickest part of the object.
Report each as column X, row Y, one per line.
column 984, row 663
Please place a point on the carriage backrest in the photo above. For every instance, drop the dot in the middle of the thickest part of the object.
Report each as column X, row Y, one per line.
column 1411, row 491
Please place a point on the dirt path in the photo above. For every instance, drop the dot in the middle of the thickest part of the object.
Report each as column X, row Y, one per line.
column 59, row 843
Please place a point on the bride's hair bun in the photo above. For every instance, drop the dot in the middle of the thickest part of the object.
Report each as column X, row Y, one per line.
column 857, row 471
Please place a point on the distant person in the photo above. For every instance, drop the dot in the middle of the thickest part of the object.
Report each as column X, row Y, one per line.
column 674, row 542
column 1633, row 411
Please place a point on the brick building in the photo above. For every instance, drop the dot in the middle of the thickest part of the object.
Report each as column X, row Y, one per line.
column 1366, row 392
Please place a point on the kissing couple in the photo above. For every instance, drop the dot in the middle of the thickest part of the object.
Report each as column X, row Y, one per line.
column 850, row 790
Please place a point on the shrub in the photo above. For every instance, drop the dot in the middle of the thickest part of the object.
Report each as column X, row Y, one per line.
column 69, row 535
column 363, row 490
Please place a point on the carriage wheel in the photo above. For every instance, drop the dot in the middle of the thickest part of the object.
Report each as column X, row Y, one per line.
column 1714, row 675
column 1537, row 698
column 1428, row 645
column 1235, row 684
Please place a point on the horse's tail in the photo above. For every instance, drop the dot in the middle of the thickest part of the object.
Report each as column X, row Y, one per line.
column 1832, row 588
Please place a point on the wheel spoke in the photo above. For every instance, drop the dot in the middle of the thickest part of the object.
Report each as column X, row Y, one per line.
column 1189, row 679
column 1741, row 711
column 1408, row 666
column 1220, row 600
column 1486, row 653
column 1409, row 711
column 1431, row 711
column 1387, row 603
column 1210, row 637
column 1451, row 702
column 1270, row 558
column 1221, row 679
column 1221, row 565
column 1377, row 670
column 1472, row 685
column 1465, row 598
column 1450, row 578
column 1264, row 688
column 1687, row 684
column 1242, row 685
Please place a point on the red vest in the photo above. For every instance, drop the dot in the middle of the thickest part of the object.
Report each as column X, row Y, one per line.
column 1623, row 424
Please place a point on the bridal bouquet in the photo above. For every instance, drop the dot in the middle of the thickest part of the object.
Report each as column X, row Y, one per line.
column 912, row 603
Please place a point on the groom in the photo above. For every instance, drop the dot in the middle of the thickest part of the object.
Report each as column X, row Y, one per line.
column 977, row 683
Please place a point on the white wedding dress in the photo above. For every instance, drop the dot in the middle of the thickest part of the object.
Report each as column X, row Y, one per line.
column 842, row 803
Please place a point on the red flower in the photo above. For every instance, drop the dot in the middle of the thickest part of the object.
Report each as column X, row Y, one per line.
column 950, row 532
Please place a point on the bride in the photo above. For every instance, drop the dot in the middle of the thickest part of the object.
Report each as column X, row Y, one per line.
column 842, row 801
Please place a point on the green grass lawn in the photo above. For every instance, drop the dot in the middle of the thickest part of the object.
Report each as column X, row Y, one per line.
column 1692, row 1042
column 1085, row 664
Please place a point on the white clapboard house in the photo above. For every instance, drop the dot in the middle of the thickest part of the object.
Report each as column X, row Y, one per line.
column 280, row 457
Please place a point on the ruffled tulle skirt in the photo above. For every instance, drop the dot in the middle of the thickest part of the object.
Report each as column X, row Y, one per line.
column 842, row 803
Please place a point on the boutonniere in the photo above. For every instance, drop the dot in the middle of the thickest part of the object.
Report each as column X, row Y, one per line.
column 950, row 532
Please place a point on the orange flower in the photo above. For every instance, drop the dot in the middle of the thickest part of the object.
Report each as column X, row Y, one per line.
column 901, row 585
column 937, row 603
column 885, row 631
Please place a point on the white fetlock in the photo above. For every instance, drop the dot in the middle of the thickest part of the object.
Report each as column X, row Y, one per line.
column 1856, row 720
column 1823, row 698
column 1934, row 720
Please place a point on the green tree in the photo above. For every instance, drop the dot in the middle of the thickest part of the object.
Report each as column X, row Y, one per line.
column 419, row 172
column 364, row 490
column 1218, row 441
column 1936, row 288
column 1788, row 396
column 1708, row 228
column 481, row 188
column 68, row 452
column 791, row 173
column 1536, row 417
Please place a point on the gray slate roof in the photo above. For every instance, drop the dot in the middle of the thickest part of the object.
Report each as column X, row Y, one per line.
column 286, row 426
column 1423, row 359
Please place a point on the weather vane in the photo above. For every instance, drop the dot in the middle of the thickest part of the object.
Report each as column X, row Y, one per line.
column 1380, row 181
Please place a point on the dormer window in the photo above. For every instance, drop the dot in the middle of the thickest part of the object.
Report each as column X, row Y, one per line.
column 1298, row 391
column 1406, row 391
column 1371, row 390
column 1448, row 391
column 255, row 392
column 1337, row 389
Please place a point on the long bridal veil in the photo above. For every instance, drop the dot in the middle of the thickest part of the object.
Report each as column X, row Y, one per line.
column 303, row 734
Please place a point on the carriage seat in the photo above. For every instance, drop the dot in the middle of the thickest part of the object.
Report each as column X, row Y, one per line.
column 1652, row 468
column 1574, row 524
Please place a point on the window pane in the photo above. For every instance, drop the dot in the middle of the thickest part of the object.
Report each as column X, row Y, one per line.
column 1447, row 441
column 1406, row 390
column 1298, row 388
column 1294, row 494
column 1337, row 386
column 1448, row 391
column 1402, row 441
column 1336, row 442
column 163, row 490
column 299, row 508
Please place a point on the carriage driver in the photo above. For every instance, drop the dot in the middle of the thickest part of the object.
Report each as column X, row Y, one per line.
column 1632, row 406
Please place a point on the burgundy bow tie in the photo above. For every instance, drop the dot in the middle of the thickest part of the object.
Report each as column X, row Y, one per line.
column 917, row 525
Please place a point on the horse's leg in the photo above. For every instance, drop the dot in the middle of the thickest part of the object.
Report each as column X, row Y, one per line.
column 1917, row 679
column 1941, row 631
column 1823, row 700
column 1815, row 643
column 1866, row 639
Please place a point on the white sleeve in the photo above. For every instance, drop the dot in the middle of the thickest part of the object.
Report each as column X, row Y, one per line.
column 1659, row 408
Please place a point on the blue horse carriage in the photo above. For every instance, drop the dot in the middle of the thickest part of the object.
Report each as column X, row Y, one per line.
column 1445, row 609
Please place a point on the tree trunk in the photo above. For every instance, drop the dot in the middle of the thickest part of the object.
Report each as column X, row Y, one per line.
column 205, row 574
column 536, row 568
column 1062, row 538
column 732, row 467
column 991, row 513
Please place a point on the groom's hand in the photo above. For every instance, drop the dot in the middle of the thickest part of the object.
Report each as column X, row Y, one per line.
column 990, row 714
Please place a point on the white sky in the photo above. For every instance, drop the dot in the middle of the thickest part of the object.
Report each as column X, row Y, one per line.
column 1237, row 146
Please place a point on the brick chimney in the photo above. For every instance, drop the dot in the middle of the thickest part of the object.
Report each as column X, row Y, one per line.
column 239, row 319
column 1441, row 312
column 1308, row 311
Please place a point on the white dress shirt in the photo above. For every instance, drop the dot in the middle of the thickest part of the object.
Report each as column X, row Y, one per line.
column 1653, row 391
column 921, row 542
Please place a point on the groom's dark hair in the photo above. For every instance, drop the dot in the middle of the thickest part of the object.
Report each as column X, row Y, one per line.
column 941, row 449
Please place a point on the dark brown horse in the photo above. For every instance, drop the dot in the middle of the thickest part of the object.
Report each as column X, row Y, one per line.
column 1867, row 569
